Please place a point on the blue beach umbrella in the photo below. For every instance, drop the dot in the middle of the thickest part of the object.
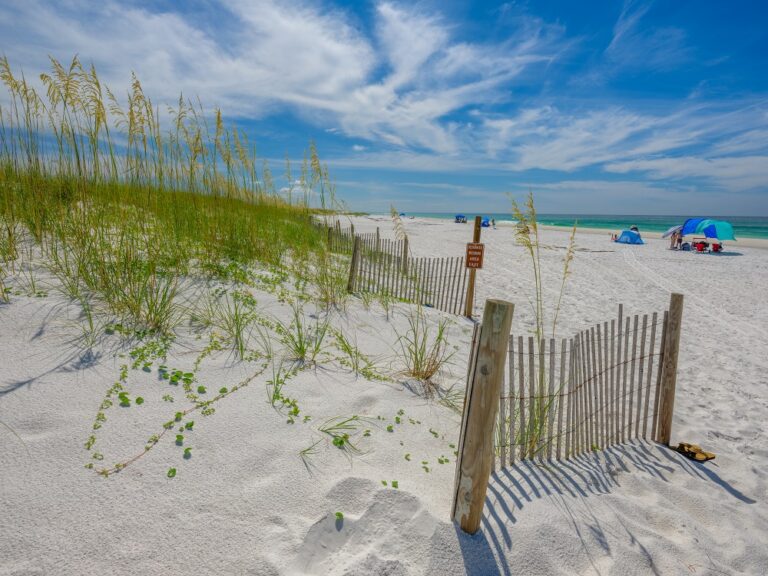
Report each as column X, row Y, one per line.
column 672, row 230
column 719, row 229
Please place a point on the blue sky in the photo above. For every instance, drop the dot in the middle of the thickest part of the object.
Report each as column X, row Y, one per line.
column 598, row 107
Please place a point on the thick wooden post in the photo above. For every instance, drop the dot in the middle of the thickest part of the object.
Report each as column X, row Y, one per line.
column 481, row 404
column 669, row 368
column 469, row 305
column 353, row 265
column 352, row 229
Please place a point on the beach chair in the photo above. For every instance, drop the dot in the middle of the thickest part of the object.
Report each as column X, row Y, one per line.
column 716, row 247
column 700, row 246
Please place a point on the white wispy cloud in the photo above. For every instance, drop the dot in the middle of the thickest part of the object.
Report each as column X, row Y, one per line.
column 638, row 46
column 732, row 172
column 395, row 84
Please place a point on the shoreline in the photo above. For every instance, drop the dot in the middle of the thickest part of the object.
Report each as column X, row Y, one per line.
column 740, row 242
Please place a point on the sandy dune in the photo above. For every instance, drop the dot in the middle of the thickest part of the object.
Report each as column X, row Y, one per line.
column 246, row 502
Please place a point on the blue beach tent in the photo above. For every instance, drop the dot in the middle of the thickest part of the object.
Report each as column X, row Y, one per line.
column 486, row 223
column 629, row 237
column 460, row 219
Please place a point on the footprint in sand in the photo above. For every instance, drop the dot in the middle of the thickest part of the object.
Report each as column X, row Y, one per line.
column 385, row 538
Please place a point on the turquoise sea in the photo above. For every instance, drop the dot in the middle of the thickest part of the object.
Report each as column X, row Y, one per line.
column 743, row 226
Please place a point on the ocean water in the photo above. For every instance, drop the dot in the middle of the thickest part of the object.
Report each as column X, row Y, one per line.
column 743, row 226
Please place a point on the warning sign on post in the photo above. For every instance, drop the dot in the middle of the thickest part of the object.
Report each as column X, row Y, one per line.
column 475, row 255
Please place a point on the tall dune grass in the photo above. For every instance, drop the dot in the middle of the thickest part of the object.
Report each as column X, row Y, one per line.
column 123, row 209
column 527, row 237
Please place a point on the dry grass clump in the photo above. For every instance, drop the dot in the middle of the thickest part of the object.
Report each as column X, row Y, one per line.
column 423, row 349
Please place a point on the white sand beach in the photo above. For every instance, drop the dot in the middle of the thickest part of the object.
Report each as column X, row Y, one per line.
column 246, row 502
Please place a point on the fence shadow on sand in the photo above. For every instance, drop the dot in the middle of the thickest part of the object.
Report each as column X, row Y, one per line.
column 574, row 488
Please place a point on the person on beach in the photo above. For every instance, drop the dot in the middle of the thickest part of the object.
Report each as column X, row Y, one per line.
column 679, row 241
column 673, row 241
column 493, row 223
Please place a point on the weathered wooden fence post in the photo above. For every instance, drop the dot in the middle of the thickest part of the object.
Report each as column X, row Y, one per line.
column 352, row 229
column 470, row 302
column 669, row 369
column 473, row 467
column 378, row 240
column 405, row 255
column 353, row 265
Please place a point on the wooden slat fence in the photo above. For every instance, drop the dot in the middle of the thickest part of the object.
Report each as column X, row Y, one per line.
column 342, row 240
column 384, row 266
column 566, row 397
column 436, row 282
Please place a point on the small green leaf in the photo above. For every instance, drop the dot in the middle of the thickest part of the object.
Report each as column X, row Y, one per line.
column 390, row 428
column 339, row 516
column 178, row 416
column 171, row 472
column 187, row 453
column 395, row 484
column 189, row 425
column 139, row 400
column 201, row 389
column 179, row 439
column 223, row 390
column 408, row 457
column 383, row 482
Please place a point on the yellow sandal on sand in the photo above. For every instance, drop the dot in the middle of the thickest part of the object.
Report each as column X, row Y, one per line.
column 694, row 452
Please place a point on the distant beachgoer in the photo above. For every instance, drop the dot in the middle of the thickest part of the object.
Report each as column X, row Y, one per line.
column 679, row 241
column 493, row 223
column 634, row 228
column 673, row 241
